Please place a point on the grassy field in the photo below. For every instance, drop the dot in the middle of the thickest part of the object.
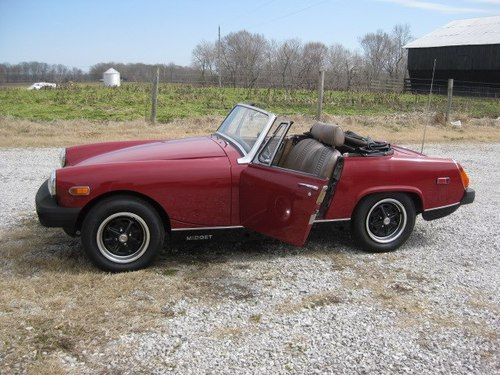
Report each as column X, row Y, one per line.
column 132, row 102
column 396, row 128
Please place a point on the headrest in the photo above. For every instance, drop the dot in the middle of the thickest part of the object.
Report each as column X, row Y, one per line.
column 332, row 135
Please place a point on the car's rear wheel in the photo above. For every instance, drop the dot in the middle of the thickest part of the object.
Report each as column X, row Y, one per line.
column 122, row 234
column 383, row 222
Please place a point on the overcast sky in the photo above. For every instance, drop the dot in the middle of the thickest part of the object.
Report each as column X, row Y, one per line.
column 81, row 33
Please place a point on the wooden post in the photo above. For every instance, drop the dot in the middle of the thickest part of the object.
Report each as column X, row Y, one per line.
column 154, row 95
column 321, row 86
column 450, row 97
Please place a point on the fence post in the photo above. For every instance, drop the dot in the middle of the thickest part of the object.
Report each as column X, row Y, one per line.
column 450, row 97
column 154, row 95
column 321, row 86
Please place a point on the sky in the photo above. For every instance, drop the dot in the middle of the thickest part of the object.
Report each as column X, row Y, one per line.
column 81, row 33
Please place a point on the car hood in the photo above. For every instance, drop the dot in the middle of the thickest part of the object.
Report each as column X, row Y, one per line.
column 187, row 148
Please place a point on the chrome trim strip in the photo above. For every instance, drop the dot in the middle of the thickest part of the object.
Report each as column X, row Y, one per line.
column 206, row 228
column 331, row 220
column 437, row 208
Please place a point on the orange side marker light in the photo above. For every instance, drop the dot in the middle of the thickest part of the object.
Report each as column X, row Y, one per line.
column 79, row 190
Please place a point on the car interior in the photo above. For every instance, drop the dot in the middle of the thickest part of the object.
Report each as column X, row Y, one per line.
column 318, row 151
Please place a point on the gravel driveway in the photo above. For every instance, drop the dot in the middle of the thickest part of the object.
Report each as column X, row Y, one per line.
column 265, row 307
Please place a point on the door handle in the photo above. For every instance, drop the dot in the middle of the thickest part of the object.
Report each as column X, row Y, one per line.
column 308, row 186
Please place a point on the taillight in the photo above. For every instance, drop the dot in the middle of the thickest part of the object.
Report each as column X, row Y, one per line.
column 463, row 176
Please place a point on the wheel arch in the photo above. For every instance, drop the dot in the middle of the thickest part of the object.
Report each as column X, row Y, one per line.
column 161, row 211
column 413, row 193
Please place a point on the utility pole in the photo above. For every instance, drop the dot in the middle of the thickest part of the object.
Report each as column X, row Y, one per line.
column 321, row 86
column 218, row 60
column 154, row 95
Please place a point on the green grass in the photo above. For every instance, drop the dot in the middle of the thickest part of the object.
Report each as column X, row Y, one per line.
column 131, row 101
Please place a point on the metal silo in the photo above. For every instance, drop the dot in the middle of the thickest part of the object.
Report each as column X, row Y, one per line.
column 111, row 78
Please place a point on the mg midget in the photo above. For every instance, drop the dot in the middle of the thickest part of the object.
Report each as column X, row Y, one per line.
column 126, row 199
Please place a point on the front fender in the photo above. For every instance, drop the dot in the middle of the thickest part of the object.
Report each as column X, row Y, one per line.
column 195, row 191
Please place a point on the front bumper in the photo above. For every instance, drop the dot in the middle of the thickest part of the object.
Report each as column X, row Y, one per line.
column 438, row 213
column 50, row 214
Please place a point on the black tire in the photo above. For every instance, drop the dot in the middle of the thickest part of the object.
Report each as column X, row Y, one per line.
column 106, row 243
column 383, row 222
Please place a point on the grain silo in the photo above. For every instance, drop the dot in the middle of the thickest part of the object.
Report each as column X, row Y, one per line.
column 111, row 78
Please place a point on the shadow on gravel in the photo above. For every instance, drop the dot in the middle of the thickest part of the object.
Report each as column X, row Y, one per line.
column 30, row 248
column 329, row 238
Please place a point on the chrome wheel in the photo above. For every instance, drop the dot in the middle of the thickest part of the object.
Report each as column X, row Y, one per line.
column 123, row 237
column 386, row 220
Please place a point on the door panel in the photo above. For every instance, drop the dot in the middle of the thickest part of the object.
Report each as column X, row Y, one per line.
column 279, row 203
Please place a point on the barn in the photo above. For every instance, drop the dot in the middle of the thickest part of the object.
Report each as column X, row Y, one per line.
column 466, row 50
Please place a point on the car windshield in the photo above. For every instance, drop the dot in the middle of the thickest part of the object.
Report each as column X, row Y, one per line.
column 243, row 126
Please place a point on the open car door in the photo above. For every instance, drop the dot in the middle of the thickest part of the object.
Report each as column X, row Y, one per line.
column 280, row 203
column 277, row 202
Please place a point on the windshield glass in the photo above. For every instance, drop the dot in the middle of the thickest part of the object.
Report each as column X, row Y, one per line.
column 244, row 125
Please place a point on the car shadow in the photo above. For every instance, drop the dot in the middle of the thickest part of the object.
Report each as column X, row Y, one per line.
column 248, row 246
column 31, row 248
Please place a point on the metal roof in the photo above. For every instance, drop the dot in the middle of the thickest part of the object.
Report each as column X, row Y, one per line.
column 473, row 31
column 111, row 71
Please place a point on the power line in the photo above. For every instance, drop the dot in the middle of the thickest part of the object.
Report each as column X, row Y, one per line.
column 290, row 14
column 258, row 7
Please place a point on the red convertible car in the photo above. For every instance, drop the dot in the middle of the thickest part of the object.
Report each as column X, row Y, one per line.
column 126, row 198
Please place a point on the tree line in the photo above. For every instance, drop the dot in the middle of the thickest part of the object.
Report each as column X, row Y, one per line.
column 35, row 71
column 245, row 59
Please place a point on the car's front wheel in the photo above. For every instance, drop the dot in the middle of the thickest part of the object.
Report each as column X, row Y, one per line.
column 383, row 222
column 122, row 234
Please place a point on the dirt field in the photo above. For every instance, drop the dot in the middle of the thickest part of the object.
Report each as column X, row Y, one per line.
column 403, row 128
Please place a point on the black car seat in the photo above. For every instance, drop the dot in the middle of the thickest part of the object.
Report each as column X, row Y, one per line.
column 317, row 155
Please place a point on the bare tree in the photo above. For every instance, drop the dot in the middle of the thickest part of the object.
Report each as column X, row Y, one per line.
column 205, row 59
column 396, row 64
column 376, row 47
column 312, row 60
column 344, row 66
column 243, row 56
column 287, row 58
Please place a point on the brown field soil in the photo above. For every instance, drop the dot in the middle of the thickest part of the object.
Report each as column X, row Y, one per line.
column 401, row 128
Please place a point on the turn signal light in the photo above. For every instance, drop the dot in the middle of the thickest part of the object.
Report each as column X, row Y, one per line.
column 79, row 190
column 463, row 177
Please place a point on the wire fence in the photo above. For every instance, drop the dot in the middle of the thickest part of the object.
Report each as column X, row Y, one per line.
column 293, row 82
column 460, row 88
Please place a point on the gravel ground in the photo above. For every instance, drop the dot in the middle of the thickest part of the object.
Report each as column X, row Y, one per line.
column 431, row 307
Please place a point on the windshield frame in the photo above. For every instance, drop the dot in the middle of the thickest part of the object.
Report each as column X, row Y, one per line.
column 249, row 156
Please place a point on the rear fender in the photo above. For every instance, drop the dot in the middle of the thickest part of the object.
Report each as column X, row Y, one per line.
column 395, row 189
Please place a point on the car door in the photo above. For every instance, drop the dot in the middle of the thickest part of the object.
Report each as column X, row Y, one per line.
column 279, row 202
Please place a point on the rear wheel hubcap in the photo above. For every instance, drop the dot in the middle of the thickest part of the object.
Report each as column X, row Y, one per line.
column 386, row 220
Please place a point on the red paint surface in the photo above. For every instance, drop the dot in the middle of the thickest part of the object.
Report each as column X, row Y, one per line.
column 272, row 202
column 199, row 183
